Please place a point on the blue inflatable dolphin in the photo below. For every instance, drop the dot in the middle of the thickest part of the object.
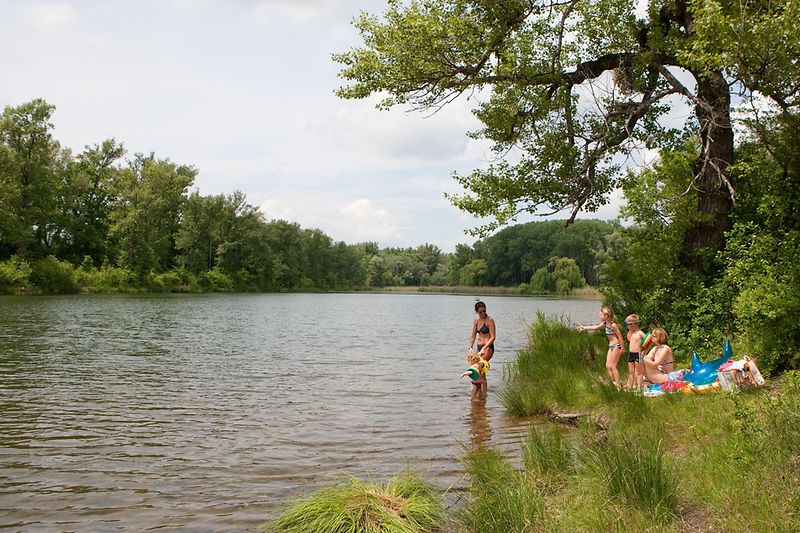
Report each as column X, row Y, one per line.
column 705, row 373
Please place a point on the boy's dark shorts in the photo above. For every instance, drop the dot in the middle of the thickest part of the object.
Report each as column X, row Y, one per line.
column 634, row 357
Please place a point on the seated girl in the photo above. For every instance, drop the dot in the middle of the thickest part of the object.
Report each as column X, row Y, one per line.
column 659, row 362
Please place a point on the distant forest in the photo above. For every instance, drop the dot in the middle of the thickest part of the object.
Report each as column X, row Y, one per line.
column 96, row 221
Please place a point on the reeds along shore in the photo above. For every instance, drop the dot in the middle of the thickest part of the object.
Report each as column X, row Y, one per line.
column 721, row 462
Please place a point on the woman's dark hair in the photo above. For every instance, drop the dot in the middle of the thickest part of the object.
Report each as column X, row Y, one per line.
column 479, row 304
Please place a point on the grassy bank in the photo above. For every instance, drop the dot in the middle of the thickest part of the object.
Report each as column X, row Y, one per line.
column 720, row 461
column 716, row 462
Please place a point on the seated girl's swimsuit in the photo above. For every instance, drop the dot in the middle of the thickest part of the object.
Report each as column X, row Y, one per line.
column 662, row 363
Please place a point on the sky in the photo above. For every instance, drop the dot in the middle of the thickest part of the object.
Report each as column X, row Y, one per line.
column 243, row 90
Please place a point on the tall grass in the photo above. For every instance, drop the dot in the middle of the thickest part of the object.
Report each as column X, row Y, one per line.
column 553, row 370
column 503, row 499
column 781, row 414
column 548, row 453
column 632, row 470
column 405, row 504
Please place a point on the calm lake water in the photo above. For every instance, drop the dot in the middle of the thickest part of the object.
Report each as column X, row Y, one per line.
column 211, row 412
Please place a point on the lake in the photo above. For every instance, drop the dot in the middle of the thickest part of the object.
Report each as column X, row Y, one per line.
column 211, row 412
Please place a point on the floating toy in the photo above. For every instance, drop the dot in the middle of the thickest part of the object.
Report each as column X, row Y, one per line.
column 704, row 373
column 727, row 351
column 481, row 367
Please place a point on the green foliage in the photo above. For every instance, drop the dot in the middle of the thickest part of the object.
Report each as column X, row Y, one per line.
column 638, row 463
column 546, row 70
column 560, row 276
column 632, row 469
column 145, row 223
column 553, row 369
column 548, row 453
column 214, row 281
column 14, row 274
column 474, row 273
column 30, row 163
column 753, row 295
column 771, row 426
column 503, row 499
column 53, row 276
column 403, row 505
column 515, row 253
column 171, row 281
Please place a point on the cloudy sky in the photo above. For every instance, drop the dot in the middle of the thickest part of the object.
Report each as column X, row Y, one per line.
column 243, row 91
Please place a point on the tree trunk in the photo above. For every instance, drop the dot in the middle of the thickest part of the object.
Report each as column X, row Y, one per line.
column 714, row 201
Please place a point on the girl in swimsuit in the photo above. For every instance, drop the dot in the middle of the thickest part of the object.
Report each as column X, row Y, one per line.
column 658, row 363
column 477, row 373
column 615, row 342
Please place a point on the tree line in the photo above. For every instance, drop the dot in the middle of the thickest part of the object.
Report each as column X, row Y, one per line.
column 100, row 222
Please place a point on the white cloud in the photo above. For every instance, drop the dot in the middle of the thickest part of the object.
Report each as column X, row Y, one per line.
column 298, row 12
column 363, row 221
column 52, row 16
column 358, row 221
column 276, row 210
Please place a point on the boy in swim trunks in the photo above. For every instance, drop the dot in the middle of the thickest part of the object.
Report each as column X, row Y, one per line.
column 635, row 355
column 477, row 373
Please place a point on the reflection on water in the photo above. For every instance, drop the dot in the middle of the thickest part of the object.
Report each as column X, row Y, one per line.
column 211, row 412
column 480, row 430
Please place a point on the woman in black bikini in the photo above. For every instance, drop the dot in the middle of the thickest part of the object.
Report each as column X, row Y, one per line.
column 658, row 362
column 484, row 329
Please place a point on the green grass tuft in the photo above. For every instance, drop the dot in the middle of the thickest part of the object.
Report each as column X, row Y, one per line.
column 405, row 504
column 548, row 453
column 503, row 499
column 632, row 469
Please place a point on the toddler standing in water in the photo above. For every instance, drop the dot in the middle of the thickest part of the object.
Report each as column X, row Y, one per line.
column 477, row 373
column 635, row 361
column 615, row 342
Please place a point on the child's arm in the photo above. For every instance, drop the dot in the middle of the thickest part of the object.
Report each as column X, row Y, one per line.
column 581, row 328
column 472, row 372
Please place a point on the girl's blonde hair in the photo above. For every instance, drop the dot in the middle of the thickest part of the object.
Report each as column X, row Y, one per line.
column 659, row 335
column 608, row 311
column 473, row 357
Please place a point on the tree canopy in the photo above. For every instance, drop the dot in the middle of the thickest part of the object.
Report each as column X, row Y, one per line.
column 568, row 88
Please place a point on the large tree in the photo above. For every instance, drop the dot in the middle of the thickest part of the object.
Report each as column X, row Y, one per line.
column 568, row 88
column 31, row 162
